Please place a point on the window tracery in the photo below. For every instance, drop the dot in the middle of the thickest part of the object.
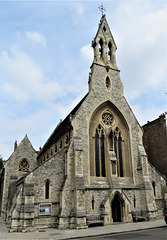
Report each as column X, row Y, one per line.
column 107, row 118
column 24, row 165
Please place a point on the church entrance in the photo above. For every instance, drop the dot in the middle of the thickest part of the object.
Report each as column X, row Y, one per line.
column 116, row 206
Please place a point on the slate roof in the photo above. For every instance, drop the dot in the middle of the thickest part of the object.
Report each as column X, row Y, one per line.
column 62, row 128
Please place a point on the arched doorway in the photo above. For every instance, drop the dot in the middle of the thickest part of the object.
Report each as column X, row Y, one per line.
column 117, row 209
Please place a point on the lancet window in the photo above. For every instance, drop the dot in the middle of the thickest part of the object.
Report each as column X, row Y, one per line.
column 47, row 189
column 101, row 48
column 109, row 50
column 100, row 152
column 118, row 151
column 154, row 188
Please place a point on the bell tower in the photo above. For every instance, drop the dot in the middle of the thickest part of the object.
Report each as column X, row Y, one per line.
column 104, row 75
column 104, row 45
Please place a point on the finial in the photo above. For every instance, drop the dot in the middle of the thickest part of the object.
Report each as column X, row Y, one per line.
column 102, row 9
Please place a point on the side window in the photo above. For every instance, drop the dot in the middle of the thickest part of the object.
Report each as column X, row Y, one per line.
column 24, row 165
column 47, row 189
column 154, row 188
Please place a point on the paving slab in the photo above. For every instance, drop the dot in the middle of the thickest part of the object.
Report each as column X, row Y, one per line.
column 55, row 234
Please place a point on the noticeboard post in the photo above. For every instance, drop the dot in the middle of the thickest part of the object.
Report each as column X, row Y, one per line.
column 45, row 209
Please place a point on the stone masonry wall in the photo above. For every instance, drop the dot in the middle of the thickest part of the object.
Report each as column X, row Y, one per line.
column 54, row 171
column 12, row 173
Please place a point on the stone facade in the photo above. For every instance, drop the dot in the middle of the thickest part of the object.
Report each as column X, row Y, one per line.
column 93, row 169
column 155, row 143
column 22, row 161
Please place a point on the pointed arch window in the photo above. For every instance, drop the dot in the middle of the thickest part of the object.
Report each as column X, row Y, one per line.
column 109, row 50
column 100, row 152
column 101, row 48
column 47, row 189
column 111, row 141
column 24, row 165
column 154, row 188
column 118, row 151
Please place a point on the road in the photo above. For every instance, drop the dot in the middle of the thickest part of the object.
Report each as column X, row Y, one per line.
column 150, row 234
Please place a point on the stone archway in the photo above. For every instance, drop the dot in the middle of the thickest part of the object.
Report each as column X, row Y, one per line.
column 117, row 208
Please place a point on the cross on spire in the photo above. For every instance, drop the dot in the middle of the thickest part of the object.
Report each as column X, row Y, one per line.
column 102, row 9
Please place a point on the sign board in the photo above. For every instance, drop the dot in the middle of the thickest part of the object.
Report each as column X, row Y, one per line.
column 45, row 208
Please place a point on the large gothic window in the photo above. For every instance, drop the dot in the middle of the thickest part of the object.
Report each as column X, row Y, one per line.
column 109, row 143
column 24, row 165
column 100, row 152
column 118, row 151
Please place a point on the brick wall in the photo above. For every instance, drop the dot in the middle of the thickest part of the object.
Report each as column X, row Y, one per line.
column 155, row 143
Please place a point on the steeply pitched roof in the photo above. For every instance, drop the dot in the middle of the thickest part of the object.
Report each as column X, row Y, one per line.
column 61, row 128
column 25, row 142
column 103, row 22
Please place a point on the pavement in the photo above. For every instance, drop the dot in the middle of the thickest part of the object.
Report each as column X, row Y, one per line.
column 55, row 234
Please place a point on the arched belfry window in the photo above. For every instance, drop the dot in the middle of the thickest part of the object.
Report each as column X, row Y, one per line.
column 101, row 48
column 24, row 165
column 118, row 151
column 99, row 152
column 109, row 50
column 47, row 189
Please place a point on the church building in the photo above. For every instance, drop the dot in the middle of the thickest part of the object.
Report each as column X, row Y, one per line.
column 93, row 169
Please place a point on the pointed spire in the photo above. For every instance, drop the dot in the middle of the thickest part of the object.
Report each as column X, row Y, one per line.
column 104, row 45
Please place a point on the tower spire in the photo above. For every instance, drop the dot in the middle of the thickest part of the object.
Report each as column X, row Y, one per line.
column 104, row 45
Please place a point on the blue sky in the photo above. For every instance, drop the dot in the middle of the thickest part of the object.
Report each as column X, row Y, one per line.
column 45, row 55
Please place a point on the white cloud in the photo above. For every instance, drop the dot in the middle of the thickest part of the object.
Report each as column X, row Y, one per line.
column 145, row 114
column 78, row 8
column 77, row 13
column 22, row 78
column 36, row 37
column 87, row 52
column 155, row 22
column 142, row 46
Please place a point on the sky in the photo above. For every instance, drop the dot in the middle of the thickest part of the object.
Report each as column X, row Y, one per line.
column 46, row 54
